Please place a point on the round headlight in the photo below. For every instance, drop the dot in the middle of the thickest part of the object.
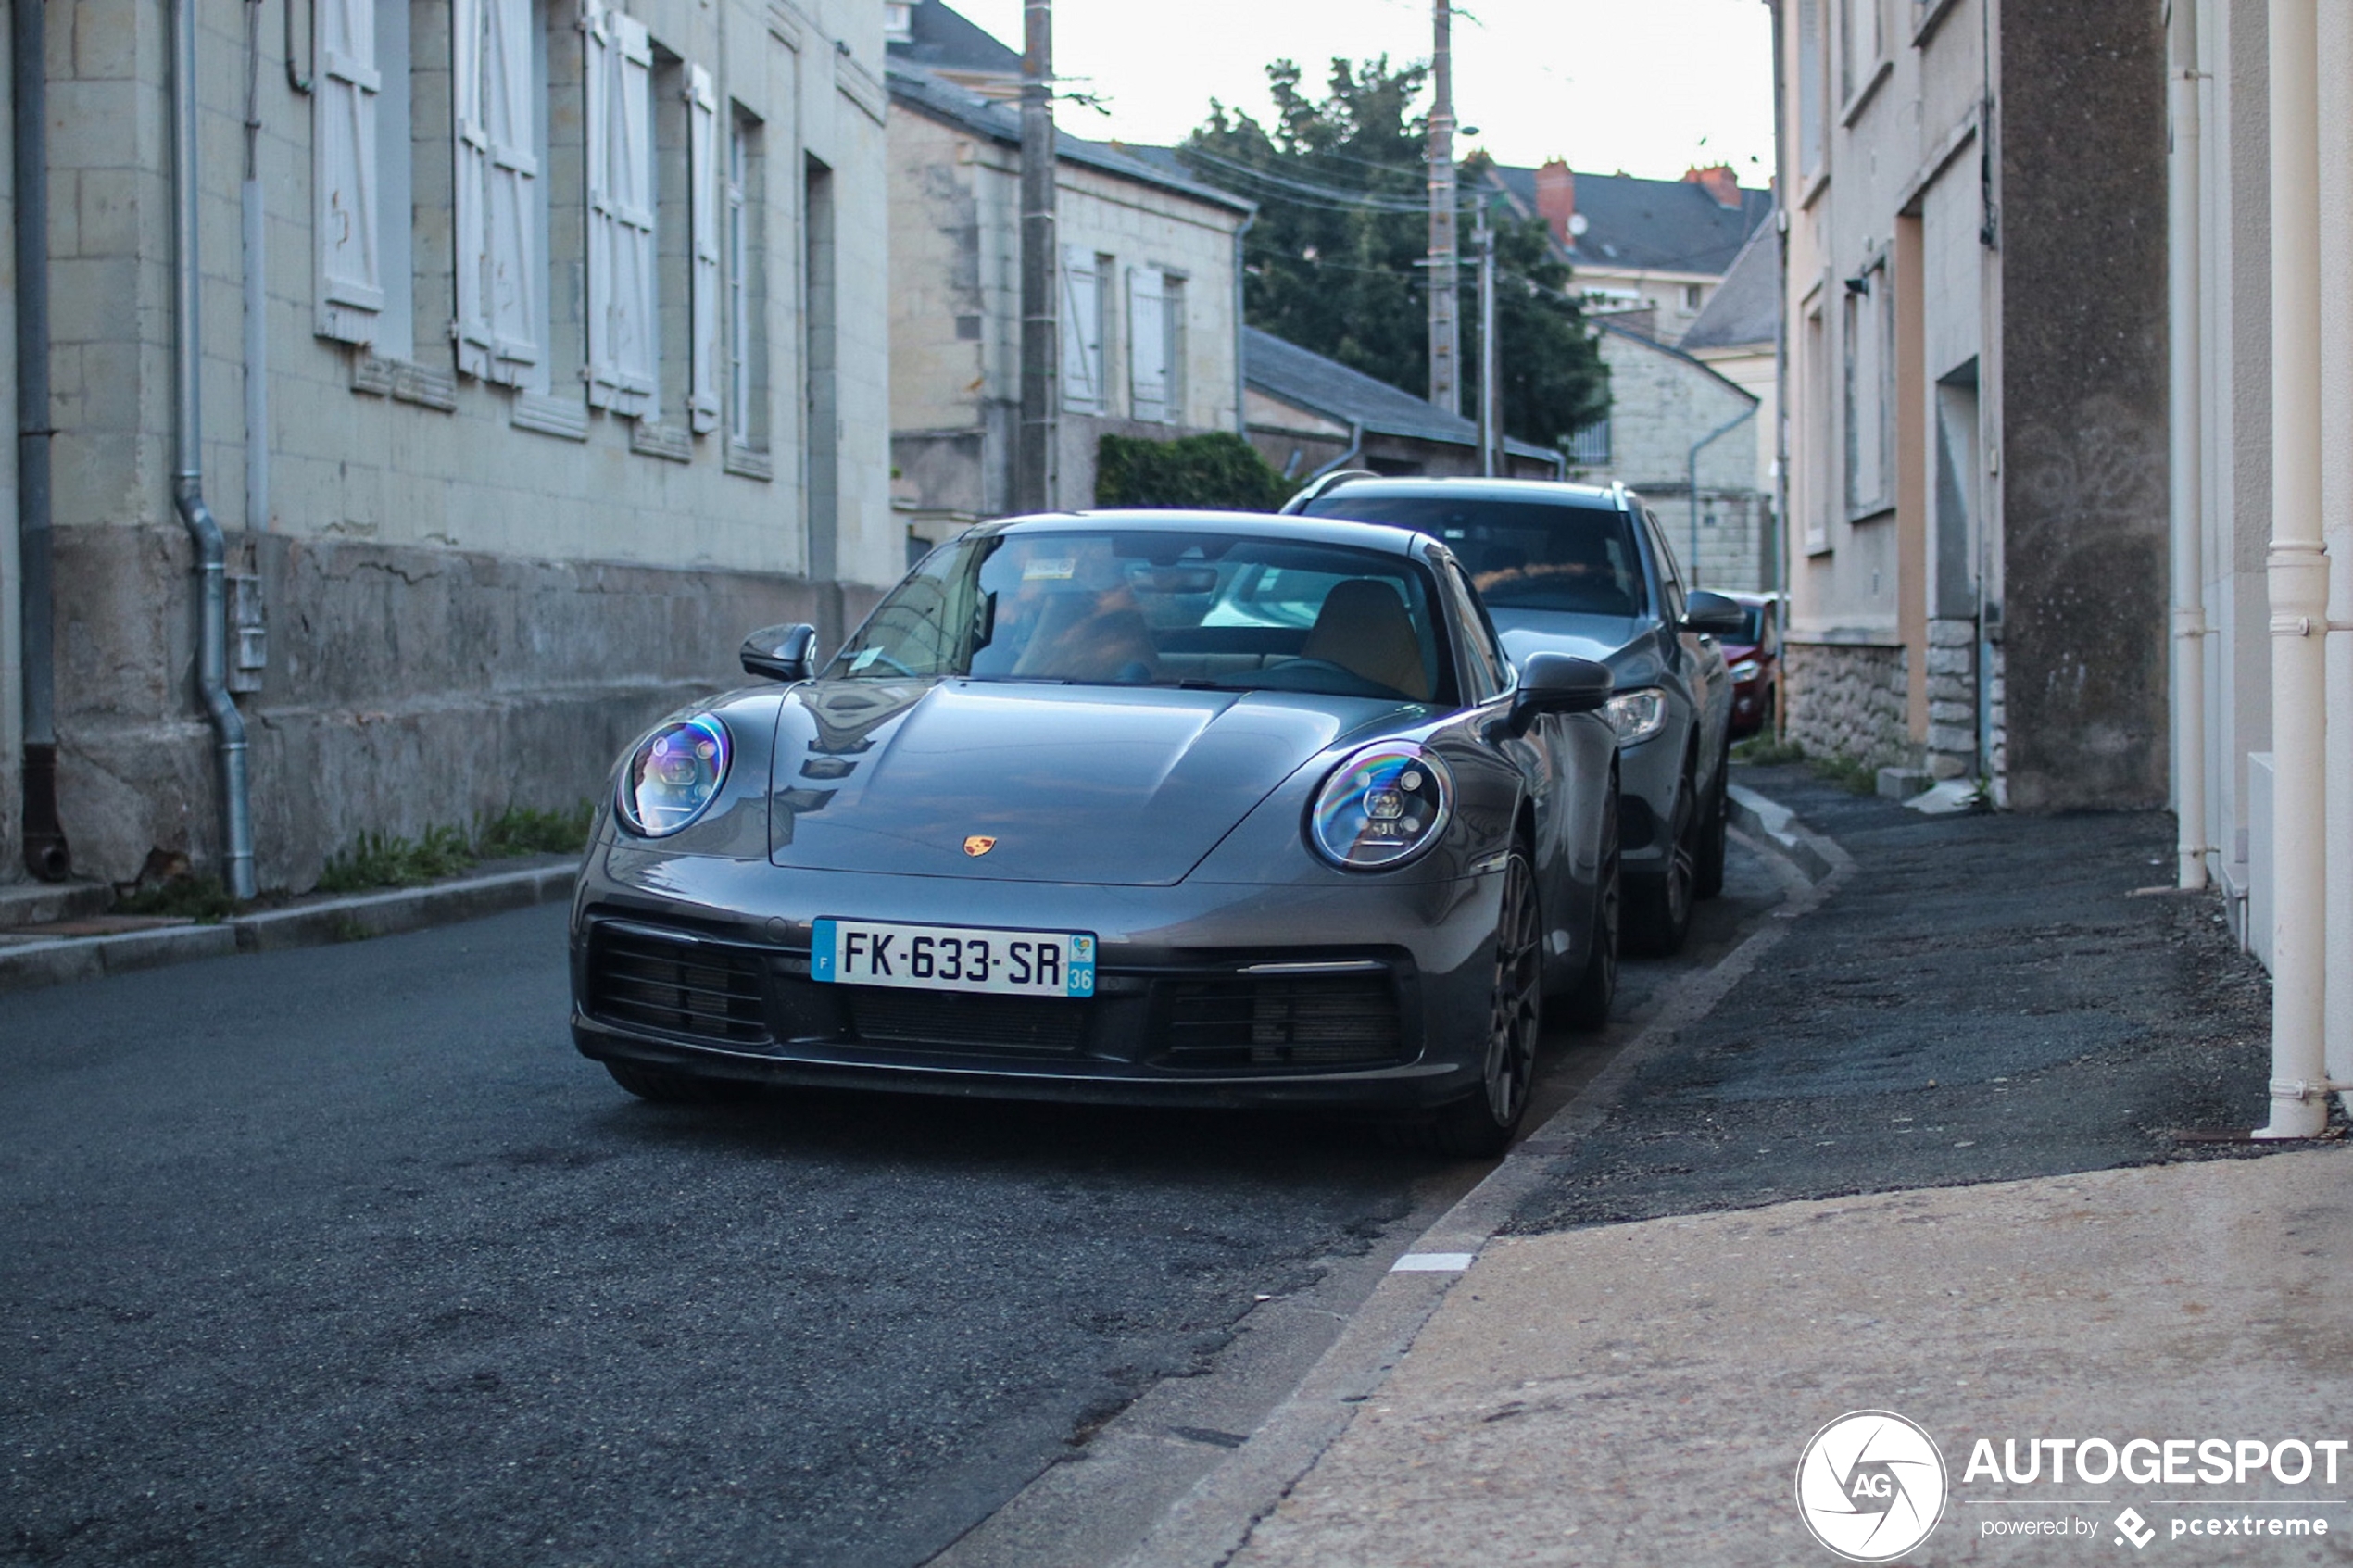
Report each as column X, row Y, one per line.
column 674, row 775
column 1381, row 808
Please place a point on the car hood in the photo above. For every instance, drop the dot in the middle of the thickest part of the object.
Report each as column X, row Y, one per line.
column 1127, row 786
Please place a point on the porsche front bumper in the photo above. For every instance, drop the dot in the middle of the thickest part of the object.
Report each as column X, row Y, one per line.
column 1368, row 993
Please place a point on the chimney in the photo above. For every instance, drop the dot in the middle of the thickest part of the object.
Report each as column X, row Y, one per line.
column 1718, row 180
column 1556, row 199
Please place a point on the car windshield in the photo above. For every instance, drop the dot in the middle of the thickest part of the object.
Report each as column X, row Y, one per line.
column 1156, row 608
column 1752, row 632
column 1522, row 555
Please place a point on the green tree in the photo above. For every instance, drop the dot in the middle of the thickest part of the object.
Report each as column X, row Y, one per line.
column 1332, row 262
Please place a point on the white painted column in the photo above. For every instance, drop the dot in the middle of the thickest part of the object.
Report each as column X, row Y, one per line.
column 2184, row 306
column 2297, row 573
column 2336, row 114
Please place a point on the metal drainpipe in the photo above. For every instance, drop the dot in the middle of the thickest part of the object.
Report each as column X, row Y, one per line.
column 188, row 489
column 2298, row 574
column 1690, row 473
column 2189, row 588
column 1356, row 450
column 46, row 854
column 256, row 281
column 2336, row 237
column 1242, row 386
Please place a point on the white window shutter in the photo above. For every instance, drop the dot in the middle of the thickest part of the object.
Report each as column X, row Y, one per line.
column 469, row 21
column 1147, row 344
column 597, row 79
column 1082, row 333
column 704, row 200
column 513, row 274
column 620, row 212
column 349, row 286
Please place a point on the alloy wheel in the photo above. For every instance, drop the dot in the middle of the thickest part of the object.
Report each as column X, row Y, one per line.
column 1519, row 984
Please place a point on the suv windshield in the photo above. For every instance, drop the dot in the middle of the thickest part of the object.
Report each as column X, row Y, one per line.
column 1522, row 555
column 1160, row 608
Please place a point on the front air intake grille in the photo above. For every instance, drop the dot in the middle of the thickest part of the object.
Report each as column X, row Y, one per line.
column 702, row 990
column 1267, row 1021
column 952, row 1020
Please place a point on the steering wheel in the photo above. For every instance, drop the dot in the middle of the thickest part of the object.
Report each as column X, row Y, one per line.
column 878, row 656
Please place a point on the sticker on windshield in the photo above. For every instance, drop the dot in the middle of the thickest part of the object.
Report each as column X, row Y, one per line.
column 1056, row 570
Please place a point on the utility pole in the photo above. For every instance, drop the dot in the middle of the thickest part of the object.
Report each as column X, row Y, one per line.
column 1490, row 361
column 1445, row 332
column 1034, row 452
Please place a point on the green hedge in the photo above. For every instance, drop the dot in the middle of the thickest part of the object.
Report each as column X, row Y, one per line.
column 1217, row 471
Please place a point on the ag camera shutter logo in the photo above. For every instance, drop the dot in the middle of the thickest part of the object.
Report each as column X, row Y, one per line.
column 1872, row 1486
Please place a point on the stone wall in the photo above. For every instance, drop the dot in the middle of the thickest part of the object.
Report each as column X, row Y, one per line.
column 406, row 688
column 1849, row 700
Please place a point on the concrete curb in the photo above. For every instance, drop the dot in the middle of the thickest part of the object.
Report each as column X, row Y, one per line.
column 1214, row 1521
column 57, row 960
column 1776, row 827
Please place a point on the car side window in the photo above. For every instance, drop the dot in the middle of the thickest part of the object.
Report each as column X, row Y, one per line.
column 1486, row 670
column 1670, row 581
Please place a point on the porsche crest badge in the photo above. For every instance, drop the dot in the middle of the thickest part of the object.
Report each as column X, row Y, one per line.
column 979, row 845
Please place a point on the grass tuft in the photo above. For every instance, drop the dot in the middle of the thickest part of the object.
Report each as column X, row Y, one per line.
column 201, row 899
column 383, row 859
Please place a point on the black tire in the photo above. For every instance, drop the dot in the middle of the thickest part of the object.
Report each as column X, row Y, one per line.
column 665, row 1088
column 1714, row 829
column 1659, row 907
column 1481, row 1124
column 1586, row 1006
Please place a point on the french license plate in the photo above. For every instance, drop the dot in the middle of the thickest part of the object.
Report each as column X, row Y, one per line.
column 953, row 958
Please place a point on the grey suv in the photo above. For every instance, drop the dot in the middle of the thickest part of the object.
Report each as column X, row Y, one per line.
column 1584, row 570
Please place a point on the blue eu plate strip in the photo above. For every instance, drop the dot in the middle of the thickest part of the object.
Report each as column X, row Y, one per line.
column 820, row 950
column 1080, row 973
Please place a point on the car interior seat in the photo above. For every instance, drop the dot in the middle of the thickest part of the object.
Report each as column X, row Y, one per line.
column 1363, row 627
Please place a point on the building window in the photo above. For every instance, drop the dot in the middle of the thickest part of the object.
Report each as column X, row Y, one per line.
column 1870, row 423
column 1812, row 113
column 1083, row 275
column 360, row 175
column 1589, row 447
column 1694, row 295
column 1814, row 410
column 747, row 286
column 1155, row 335
column 620, row 261
column 1858, row 46
column 496, row 79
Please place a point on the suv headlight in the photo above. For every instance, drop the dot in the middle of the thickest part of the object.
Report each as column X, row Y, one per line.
column 1637, row 715
column 1746, row 670
column 674, row 775
column 1381, row 808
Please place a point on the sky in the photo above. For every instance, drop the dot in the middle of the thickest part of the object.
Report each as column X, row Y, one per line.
column 1648, row 87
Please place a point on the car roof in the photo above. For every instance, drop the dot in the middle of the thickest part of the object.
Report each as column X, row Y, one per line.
column 1384, row 538
column 1559, row 493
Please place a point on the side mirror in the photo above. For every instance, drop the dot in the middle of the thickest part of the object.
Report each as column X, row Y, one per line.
column 1712, row 613
column 1557, row 683
column 781, row 653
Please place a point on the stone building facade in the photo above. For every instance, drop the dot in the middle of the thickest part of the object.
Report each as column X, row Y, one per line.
column 543, row 354
column 1664, row 403
column 1147, row 300
column 1974, row 276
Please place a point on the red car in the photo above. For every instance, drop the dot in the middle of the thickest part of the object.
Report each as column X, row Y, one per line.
column 1753, row 655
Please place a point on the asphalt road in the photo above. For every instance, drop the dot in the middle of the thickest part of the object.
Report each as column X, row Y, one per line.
column 345, row 1257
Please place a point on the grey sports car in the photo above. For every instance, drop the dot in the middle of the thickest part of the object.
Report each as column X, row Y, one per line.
column 1167, row 807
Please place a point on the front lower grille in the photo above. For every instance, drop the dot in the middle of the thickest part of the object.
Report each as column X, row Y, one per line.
column 681, row 987
column 1277, row 1020
column 958, row 1020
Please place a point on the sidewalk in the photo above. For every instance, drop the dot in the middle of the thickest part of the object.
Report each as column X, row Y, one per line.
column 1985, row 1034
